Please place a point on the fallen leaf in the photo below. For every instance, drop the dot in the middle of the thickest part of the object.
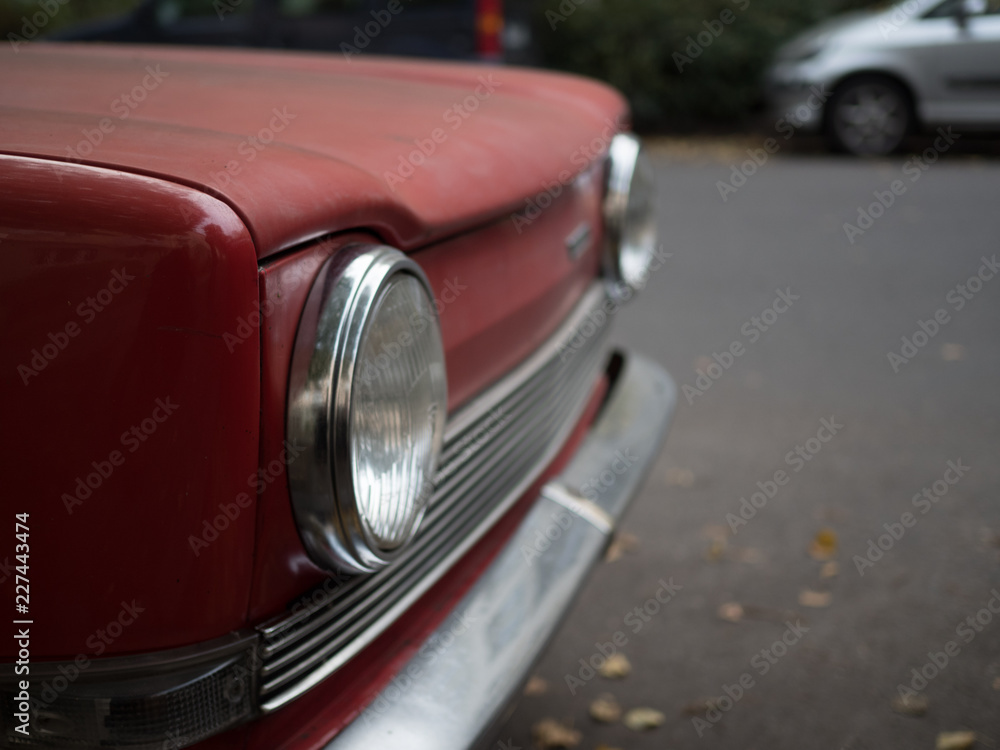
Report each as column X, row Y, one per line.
column 911, row 704
column 952, row 352
column 677, row 477
column 616, row 667
column 829, row 569
column 824, row 545
column 996, row 683
column 536, row 686
column 955, row 740
column 640, row 719
column 699, row 707
column 551, row 733
column 810, row 598
column 622, row 543
column 605, row 709
column 730, row 612
column 701, row 362
column 607, row 747
column 716, row 550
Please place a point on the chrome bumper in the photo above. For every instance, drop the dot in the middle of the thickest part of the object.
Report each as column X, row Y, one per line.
column 470, row 668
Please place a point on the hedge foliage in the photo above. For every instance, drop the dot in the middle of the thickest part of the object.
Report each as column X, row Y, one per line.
column 682, row 63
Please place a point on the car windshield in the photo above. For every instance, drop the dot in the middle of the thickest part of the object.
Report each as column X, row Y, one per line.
column 972, row 7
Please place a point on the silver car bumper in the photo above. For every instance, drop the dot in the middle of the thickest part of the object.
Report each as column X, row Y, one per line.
column 471, row 667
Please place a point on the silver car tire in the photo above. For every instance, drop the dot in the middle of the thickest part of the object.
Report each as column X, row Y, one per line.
column 870, row 116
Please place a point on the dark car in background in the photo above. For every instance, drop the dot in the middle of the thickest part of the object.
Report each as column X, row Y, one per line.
column 453, row 29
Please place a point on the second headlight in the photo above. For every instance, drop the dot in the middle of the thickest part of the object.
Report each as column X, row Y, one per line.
column 629, row 213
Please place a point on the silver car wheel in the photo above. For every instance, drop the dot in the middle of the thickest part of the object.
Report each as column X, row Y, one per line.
column 871, row 117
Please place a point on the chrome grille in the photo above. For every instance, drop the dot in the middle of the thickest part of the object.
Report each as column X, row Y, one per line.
column 495, row 448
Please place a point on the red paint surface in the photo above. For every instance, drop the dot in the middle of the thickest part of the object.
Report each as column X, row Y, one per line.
column 325, row 170
column 67, row 231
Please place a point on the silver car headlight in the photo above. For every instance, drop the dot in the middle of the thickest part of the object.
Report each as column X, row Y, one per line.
column 629, row 213
column 367, row 397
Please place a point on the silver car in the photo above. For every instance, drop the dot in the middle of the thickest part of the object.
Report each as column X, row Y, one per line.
column 869, row 79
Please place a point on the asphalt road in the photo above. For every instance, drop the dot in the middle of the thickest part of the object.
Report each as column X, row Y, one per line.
column 882, row 431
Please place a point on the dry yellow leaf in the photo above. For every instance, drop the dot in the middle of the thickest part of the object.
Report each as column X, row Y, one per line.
column 640, row 719
column 829, row 569
column 810, row 598
column 536, row 686
column 551, row 733
column 605, row 709
column 716, row 550
column 616, row 667
column 731, row 612
column 955, row 740
column 824, row 545
column 915, row 704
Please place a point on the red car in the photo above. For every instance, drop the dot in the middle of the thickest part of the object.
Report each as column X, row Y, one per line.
column 312, row 426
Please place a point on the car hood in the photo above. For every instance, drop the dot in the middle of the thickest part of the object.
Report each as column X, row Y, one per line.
column 860, row 26
column 302, row 145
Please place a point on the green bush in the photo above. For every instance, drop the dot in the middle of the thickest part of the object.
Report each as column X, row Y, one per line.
column 649, row 49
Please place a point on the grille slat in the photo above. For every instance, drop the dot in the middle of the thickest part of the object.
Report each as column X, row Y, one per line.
column 489, row 459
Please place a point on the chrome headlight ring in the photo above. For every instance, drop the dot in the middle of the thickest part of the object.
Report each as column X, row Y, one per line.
column 367, row 397
column 629, row 216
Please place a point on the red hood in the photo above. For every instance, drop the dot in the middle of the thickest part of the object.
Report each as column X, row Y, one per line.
column 340, row 129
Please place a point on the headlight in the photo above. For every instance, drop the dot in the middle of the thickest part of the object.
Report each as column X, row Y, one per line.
column 630, row 213
column 367, row 397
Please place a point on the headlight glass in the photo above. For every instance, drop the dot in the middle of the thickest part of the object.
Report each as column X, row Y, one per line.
column 367, row 396
column 630, row 213
column 394, row 413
